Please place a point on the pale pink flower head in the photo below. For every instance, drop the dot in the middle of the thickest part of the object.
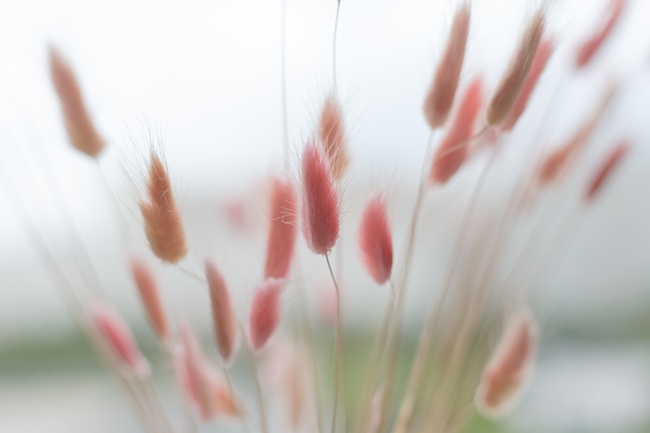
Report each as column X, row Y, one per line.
column 320, row 203
column 331, row 131
column 454, row 148
column 375, row 241
column 119, row 338
column 265, row 312
column 508, row 368
column 81, row 131
column 224, row 320
column 591, row 45
column 440, row 97
column 282, row 229
column 150, row 296
column 196, row 371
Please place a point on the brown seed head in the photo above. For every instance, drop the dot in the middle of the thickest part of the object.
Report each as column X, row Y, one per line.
column 224, row 319
column 440, row 98
column 162, row 219
column 512, row 82
column 81, row 132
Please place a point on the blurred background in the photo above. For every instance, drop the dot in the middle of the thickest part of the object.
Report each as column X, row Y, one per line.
column 203, row 77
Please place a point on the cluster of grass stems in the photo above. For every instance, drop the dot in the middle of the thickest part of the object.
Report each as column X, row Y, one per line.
column 456, row 368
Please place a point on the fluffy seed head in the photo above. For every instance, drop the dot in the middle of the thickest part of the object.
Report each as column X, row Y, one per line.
column 375, row 240
column 224, row 319
column 508, row 368
column 331, row 131
column 119, row 338
column 265, row 312
column 150, row 297
column 540, row 60
column 605, row 170
column 162, row 219
column 440, row 98
column 320, row 204
column 454, row 148
column 81, row 132
column 282, row 230
column 590, row 46
column 511, row 84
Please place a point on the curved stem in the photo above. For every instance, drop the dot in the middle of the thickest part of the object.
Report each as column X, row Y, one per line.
column 334, row 43
column 283, row 87
column 339, row 353
column 264, row 423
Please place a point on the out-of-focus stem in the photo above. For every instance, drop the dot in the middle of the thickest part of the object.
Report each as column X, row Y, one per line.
column 426, row 336
column 264, row 422
column 283, row 86
column 339, row 353
column 190, row 420
column 334, row 43
column 394, row 327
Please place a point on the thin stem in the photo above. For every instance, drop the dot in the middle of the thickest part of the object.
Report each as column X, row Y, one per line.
column 283, row 87
column 231, row 388
column 528, row 175
column 334, row 43
column 309, row 336
column 426, row 335
column 394, row 333
column 190, row 273
column 126, row 231
column 264, row 423
column 339, row 352
column 73, row 303
column 375, row 360
column 155, row 404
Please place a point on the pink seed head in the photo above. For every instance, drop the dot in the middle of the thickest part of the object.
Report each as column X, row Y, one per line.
column 331, row 131
column 197, row 371
column 542, row 57
column 375, row 240
column 119, row 338
column 508, row 368
column 440, row 98
column 591, row 45
column 606, row 169
column 556, row 163
column 150, row 297
column 282, row 230
column 224, row 320
column 81, row 132
column 265, row 312
column 320, row 204
column 454, row 148
column 513, row 80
